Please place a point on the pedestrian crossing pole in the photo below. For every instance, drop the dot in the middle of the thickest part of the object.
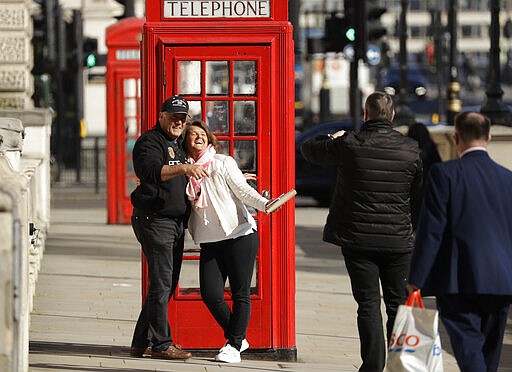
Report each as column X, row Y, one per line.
column 453, row 92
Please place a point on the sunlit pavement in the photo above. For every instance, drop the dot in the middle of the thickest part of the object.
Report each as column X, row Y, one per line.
column 88, row 298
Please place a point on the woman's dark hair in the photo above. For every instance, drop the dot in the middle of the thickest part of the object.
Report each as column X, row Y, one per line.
column 212, row 140
column 420, row 133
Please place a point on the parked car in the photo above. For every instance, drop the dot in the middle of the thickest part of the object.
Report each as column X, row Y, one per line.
column 313, row 180
column 416, row 81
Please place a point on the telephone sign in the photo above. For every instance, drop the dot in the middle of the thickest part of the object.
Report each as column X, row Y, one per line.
column 216, row 8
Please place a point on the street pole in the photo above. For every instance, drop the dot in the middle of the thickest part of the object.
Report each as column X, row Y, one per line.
column 404, row 115
column 359, row 43
column 434, row 7
column 325, row 99
column 494, row 107
column 453, row 92
column 60, row 67
column 355, row 93
column 79, row 89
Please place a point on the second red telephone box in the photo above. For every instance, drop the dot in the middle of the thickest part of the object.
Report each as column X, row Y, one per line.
column 123, row 114
column 233, row 62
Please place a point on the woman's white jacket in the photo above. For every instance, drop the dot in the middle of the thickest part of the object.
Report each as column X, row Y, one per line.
column 228, row 191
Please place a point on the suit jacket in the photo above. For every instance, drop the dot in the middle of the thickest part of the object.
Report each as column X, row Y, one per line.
column 464, row 239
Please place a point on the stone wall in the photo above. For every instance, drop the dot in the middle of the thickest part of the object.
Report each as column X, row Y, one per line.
column 500, row 147
column 16, row 57
column 24, row 183
column 24, row 220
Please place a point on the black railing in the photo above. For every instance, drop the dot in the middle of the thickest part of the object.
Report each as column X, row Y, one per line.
column 91, row 171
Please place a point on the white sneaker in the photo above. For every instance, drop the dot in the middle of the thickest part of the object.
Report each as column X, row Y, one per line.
column 228, row 354
column 245, row 345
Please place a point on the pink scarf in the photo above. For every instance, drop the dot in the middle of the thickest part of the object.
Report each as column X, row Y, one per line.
column 195, row 191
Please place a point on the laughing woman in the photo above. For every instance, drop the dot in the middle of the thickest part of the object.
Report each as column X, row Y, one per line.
column 226, row 232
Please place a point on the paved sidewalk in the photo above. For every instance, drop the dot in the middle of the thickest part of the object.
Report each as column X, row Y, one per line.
column 88, row 298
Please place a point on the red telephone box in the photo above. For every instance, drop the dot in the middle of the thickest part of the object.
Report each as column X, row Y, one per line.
column 123, row 114
column 233, row 61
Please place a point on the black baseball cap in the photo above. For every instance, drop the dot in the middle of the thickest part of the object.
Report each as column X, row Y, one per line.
column 175, row 105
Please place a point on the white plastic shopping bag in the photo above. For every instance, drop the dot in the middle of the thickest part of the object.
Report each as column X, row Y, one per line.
column 415, row 345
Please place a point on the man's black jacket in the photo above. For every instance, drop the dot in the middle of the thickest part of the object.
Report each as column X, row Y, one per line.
column 377, row 171
column 151, row 152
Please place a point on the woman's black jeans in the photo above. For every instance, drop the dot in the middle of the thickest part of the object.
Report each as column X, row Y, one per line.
column 233, row 259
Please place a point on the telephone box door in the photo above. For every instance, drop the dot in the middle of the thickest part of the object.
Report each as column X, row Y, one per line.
column 228, row 87
column 128, row 103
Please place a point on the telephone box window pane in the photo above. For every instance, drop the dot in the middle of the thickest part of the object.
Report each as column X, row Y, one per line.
column 189, row 77
column 254, row 280
column 130, row 107
column 130, row 87
column 245, row 117
column 129, row 167
column 131, row 126
column 245, row 155
column 217, row 78
column 254, row 184
column 244, row 78
column 189, row 277
column 130, row 143
column 217, row 116
column 223, row 147
column 194, row 110
column 130, row 185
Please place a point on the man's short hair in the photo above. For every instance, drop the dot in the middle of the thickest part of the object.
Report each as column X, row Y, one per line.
column 379, row 105
column 472, row 126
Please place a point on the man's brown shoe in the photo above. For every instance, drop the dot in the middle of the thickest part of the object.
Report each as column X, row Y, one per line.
column 139, row 352
column 172, row 352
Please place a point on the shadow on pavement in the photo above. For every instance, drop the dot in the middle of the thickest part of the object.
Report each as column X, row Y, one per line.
column 78, row 350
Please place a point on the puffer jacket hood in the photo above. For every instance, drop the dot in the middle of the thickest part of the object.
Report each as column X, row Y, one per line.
column 377, row 171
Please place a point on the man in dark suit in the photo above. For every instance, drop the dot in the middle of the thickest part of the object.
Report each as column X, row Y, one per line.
column 463, row 249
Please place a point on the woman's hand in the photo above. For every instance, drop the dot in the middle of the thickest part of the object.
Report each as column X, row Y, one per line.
column 269, row 203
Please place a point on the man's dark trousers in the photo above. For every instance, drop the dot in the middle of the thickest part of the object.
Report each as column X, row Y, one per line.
column 162, row 240
column 365, row 269
column 476, row 325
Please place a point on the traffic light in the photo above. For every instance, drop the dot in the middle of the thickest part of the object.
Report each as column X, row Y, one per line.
column 338, row 33
column 90, row 51
column 354, row 12
column 374, row 30
column 370, row 28
column 44, row 40
column 350, row 14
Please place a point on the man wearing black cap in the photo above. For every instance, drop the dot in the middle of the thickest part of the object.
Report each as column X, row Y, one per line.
column 160, row 213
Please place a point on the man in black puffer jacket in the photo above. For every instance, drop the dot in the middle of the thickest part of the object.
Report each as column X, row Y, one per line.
column 378, row 169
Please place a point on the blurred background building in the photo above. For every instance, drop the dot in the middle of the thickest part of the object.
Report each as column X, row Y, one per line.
column 473, row 48
column 69, row 63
